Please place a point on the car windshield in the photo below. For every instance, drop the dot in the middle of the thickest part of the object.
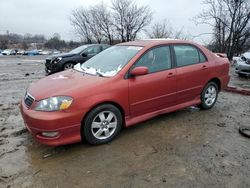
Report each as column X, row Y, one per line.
column 109, row 62
column 78, row 50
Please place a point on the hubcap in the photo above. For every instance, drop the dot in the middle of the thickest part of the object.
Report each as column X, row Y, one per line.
column 210, row 95
column 69, row 66
column 104, row 125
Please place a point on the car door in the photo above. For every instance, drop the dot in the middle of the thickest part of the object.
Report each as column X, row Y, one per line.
column 192, row 69
column 157, row 89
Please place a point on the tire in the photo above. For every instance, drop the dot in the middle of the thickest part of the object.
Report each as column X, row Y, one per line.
column 102, row 124
column 209, row 96
column 67, row 66
column 245, row 131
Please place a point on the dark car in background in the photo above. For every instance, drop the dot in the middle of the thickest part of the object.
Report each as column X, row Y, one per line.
column 65, row 61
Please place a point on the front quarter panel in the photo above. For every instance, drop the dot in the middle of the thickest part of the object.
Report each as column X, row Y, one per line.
column 114, row 91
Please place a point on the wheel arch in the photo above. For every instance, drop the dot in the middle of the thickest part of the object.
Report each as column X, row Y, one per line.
column 69, row 61
column 217, row 81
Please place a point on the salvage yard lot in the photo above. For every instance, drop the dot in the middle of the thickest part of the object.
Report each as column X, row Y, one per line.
column 187, row 148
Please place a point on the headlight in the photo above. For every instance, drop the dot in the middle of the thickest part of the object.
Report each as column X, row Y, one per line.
column 58, row 59
column 54, row 104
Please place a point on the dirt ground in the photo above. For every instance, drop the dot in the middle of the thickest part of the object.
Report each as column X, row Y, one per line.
column 187, row 148
column 239, row 82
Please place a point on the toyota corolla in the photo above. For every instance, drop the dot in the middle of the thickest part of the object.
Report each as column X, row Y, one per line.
column 122, row 86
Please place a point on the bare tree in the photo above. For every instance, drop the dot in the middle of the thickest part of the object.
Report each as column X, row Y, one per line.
column 93, row 23
column 3, row 42
column 164, row 29
column 103, row 19
column 125, row 19
column 80, row 21
column 129, row 18
column 230, row 22
column 161, row 29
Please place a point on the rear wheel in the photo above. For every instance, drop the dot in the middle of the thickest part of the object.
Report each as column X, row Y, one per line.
column 102, row 124
column 68, row 66
column 209, row 95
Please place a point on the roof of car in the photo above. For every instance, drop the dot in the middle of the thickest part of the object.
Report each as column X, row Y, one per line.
column 153, row 42
column 95, row 45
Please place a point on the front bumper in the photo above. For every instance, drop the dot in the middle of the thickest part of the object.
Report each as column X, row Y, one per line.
column 68, row 125
column 51, row 67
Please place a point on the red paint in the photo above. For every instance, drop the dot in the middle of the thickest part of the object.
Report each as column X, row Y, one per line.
column 140, row 97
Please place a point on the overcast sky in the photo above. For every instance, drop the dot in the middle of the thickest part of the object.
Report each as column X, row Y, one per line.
column 52, row 16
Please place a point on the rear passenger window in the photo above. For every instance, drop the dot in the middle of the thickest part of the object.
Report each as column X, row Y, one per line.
column 157, row 59
column 186, row 55
column 202, row 57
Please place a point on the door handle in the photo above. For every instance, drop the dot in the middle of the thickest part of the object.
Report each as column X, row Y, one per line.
column 204, row 67
column 171, row 75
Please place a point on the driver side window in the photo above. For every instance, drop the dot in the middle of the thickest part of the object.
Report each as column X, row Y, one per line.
column 156, row 59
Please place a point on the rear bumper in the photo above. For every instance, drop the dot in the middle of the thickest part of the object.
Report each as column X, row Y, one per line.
column 67, row 125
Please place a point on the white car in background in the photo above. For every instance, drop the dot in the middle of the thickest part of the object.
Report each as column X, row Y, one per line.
column 9, row 52
column 243, row 65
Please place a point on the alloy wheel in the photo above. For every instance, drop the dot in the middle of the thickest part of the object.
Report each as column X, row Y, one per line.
column 210, row 95
column 104, row 125
column 68, row 66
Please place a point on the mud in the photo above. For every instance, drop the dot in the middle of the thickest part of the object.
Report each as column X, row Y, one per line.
column 187, row 148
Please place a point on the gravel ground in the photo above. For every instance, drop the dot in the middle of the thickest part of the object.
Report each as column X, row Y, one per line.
column 241, row 82
column 187, row 148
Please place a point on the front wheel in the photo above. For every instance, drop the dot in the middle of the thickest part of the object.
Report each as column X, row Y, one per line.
column 102, row 124
column 209, row 96
column 68, row 66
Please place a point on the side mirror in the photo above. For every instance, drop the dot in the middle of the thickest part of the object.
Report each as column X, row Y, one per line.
column 84, row 54
column 139, row 71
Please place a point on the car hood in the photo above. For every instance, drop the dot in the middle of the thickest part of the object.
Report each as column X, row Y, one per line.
column 246, row 55
column 66, row 83
column 63, row 55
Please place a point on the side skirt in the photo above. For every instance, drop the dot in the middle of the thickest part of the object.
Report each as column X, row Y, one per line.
column 131, row 121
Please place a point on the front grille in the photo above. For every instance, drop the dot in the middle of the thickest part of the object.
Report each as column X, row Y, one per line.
column 248, row 71
column 28, row 100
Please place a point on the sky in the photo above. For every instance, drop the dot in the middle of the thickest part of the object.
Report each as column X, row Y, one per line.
column 52, row 16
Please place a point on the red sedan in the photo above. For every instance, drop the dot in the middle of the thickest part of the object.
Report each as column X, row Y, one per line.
column 123, row 85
